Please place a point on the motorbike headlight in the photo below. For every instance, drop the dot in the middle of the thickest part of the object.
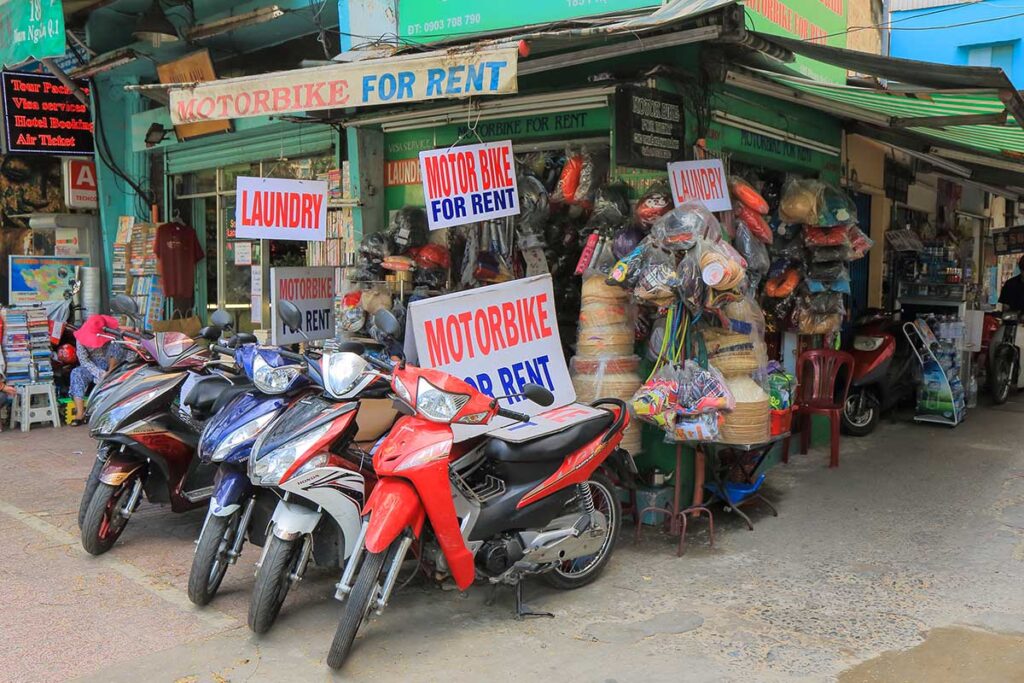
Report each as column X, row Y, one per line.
column 244, row 433
column 271, row 380
column 316, row 461
column 342, row 371
column 438, row 405
column 109, row 420
column 269, row 468
column 867, row 343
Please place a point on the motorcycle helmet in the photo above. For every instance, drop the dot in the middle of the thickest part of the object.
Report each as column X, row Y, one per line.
column 432, row 256
column 66, row 354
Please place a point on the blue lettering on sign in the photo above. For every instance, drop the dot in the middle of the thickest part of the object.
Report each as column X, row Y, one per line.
column 460, row 79
column 513, row 378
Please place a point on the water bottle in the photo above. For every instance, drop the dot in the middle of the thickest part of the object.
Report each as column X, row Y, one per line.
column 972, row 392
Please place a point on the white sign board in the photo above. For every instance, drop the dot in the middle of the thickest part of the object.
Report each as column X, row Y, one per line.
column 469, row 184
column 276, row 209
column 312, row 291
column 497, row 338
column 700, row 181
column 397, row 80
column 80, row 190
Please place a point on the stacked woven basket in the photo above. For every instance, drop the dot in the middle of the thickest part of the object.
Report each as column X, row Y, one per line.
column 750, row 420
column 604, row 365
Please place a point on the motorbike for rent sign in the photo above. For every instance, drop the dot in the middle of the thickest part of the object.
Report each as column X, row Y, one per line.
column 469, row 184
column 497, row 338
column 700, row 181
column 276, row 209
column 312, row 291
column 396, row 80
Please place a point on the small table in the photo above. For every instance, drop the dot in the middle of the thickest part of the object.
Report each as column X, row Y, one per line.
column 753, row 458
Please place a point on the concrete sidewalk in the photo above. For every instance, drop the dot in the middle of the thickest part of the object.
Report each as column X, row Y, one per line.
column 921, row 527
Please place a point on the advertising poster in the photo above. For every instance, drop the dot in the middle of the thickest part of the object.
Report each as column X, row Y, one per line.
column 276, row 209
column 312, row 290
column 497, row 338
column 469, row 184
column 38, row 279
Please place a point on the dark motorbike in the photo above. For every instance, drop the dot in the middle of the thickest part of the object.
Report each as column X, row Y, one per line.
column 1004, row 359
column 883, row 374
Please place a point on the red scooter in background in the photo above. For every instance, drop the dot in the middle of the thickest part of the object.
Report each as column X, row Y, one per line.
column 490, row 507
column 883, row 374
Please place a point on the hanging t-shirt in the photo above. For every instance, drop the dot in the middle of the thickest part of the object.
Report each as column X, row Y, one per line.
column 178, row 251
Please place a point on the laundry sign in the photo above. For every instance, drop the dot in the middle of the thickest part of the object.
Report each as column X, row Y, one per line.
column 497, row 338
column 396, row 80
column 700, row 181
column 469, row 184
column 277, row 209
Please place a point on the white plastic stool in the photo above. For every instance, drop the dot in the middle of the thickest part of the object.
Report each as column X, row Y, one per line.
column 26, row 411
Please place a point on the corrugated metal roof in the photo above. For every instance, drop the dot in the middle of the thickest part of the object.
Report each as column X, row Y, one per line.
column 908, row 5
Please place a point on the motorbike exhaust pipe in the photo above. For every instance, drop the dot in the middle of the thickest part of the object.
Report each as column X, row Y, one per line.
column 344, row 585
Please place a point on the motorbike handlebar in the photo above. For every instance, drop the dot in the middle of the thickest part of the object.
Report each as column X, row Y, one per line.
column 297, row 357
column 113, row 331
column 222, row 350
column 521, row 417
column 378, row 363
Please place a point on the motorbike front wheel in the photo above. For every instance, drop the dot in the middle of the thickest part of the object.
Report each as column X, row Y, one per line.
column 90, row 488
column 357, row 607
column 210, row 562
column 273, row 581
column 860, row 414
column 1002, row 375
column 104, row 520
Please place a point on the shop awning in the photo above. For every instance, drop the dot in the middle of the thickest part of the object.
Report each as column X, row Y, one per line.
column 974, row 119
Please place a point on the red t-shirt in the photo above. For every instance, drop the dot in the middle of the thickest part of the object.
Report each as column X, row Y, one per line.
column 178, row 251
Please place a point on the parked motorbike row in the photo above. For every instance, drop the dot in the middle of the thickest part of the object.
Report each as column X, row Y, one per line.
column 347, row 458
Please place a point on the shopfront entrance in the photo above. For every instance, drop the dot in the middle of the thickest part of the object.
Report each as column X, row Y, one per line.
column 235, row 274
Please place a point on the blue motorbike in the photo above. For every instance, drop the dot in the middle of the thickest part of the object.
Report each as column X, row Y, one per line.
column 238, row 510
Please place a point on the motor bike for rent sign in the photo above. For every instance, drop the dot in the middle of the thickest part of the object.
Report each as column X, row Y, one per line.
column 497, row 338
column 312, row 291
column 277, row 209
column 469, row 184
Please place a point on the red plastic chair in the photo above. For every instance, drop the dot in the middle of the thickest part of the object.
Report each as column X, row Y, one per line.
column 823, row 381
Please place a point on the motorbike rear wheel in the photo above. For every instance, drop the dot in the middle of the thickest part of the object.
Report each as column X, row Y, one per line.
column 210, row 562
column 580, row 571
column 104, row 523
column 1002, row 374
column 273, row 582
column 860, row 419
column 357, row 607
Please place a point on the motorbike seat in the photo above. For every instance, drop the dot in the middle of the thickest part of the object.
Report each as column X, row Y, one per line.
column 228, row 394
column 205, row 393
column 554, row 446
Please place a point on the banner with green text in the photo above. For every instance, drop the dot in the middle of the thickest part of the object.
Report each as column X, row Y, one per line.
column 30, row 29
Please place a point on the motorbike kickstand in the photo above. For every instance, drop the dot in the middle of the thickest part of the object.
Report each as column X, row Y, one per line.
column 522, row 612
column 492, row 595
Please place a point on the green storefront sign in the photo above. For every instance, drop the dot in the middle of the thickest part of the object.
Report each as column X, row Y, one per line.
column 428, row 20
column 30, row 29
column 820, row 21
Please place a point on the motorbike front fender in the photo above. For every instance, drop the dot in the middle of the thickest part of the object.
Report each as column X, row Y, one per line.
column 118, row 468
column 231, row 487
column 395, row 507
column 291, row 521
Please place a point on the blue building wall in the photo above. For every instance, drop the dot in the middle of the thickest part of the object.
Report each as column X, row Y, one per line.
column 993, row 41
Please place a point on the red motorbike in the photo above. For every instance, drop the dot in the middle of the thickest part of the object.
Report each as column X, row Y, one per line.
column 497, row 507
column 883, row 373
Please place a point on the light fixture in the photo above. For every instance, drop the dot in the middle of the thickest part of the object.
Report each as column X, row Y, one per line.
column 771, row 132
column 154, row 27
column 231, row 23
column 105, row 62
column 156, row 134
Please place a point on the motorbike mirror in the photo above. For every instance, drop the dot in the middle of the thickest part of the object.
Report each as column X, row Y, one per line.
column 210, row 333
column 386, row 322
column 221, row 318
column 538, row 394
column 122, row 304
column 290, row 315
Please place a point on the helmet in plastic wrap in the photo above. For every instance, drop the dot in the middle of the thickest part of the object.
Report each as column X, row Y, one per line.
column 533, row 202
column 432, row 256
column 67, row 354
column 410, row 228
column 653, row 204
column 374, row 247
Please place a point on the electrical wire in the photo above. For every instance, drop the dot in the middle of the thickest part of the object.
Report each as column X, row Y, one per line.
column 108, row 159
column 888, row 24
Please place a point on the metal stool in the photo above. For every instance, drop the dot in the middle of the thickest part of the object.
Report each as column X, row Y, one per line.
column 26, row 411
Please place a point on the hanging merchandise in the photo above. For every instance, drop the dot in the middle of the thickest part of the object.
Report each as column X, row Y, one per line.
column 409, row 229
column 754, row 252
column 801, row 200
column 652, row 205
column 626, row 240
column 721, row 266
column 606, row 321
column 680, row 228
column 756, row 223
column 835, row 207
column 177, row 251
column 745, row 193
column 656, row 400
column 703, row 397
column 859, row 243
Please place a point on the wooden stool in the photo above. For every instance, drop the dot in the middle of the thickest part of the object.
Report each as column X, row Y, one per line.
column 25, row 411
